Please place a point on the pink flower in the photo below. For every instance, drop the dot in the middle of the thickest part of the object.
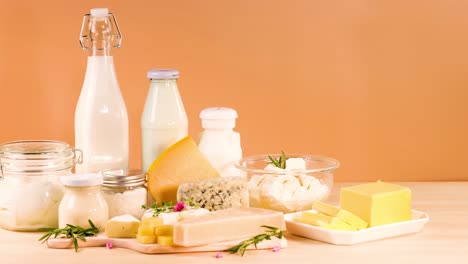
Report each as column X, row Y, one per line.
column 276, row 248
column 219, row 255
column 179, row 207
column 109, row 245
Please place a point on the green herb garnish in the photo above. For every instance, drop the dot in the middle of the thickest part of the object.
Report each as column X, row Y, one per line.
column 280, row 162
column 168, row 207
column 164, row 208
column 70, row 231
column 271, row 232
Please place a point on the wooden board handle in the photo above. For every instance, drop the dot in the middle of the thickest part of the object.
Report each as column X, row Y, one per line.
column 129, row 243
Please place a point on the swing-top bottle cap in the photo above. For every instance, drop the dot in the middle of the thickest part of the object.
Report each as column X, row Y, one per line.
column 99, row 12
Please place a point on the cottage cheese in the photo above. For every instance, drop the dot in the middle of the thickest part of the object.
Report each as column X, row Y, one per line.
column 287, row 191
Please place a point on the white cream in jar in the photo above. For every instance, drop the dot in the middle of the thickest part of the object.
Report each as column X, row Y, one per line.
column 83, row 201
column 124, row 191
column 30, row 191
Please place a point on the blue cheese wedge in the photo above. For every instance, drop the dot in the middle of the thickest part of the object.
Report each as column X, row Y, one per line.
column 215, row 194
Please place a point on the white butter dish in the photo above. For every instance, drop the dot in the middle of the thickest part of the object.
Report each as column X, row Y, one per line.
column 338, row 237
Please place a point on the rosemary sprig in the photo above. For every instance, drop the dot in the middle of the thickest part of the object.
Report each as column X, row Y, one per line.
column 271, row 232
column 70, row 231
column 165, row 207
column 280, row 162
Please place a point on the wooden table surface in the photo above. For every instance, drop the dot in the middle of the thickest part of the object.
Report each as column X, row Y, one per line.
column 443, row 240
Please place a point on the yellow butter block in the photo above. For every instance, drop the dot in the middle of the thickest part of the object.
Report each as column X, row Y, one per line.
column 340, row 213
column 146, row 239
column 152, row 221
column 166, row 240
column 378, row 203
column 146, row 230
column 164, row 230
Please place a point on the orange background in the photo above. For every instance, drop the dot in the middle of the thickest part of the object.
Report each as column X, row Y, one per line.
column 382, row 86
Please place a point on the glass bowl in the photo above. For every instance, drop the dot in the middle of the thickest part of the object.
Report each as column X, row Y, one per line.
column 288, row 190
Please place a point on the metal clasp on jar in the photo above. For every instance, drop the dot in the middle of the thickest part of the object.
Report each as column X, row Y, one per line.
column 1, row 169
column 77, row 156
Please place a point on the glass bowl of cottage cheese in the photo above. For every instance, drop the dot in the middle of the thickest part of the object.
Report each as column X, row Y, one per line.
column 287, row 184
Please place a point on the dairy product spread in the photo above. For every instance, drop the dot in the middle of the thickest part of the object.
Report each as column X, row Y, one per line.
column 286, row 190
column 378, row 203
column 340, row 213
column 225, row 225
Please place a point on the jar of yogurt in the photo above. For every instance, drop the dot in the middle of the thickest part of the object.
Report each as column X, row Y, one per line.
column 124, row 191
column 30, row 191
column 83, row 201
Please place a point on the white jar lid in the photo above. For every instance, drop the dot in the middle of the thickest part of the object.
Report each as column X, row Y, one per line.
column 81, row 180
column 218, row 117
column 162, row 74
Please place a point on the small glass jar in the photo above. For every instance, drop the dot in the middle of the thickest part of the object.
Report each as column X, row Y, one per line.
column 30, row 191
column 125, row 192
column 83, row 201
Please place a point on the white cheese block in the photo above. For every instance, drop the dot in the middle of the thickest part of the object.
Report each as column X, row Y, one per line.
column 123, row 226
column 215, row 194
column 225, row 225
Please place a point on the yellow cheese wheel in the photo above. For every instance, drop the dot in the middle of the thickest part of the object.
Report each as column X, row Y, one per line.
column 180, row 163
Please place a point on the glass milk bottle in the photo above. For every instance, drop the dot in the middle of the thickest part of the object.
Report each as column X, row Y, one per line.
column 219, row 142
column 101, row 120
column 164, row 121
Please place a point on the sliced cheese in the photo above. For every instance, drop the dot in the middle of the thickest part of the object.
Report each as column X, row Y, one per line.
column 378, row 203
column 225, row 225
column 164, row 230
column 165, row 240
column 324, row 221
column 146, row 239
column 342, row 214
column 124, row 226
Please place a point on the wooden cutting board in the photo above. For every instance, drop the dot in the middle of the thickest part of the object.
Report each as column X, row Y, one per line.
column 131, row 243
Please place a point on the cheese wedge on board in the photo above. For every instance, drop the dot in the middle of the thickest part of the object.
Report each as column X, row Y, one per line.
column 123, row 226
column 225, row 225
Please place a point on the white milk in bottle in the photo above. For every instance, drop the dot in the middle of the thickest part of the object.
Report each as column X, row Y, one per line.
column 101, row 121
column 164, row 121
column 219, row 142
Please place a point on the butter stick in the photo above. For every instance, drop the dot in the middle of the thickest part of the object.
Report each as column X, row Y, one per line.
column 225, row 225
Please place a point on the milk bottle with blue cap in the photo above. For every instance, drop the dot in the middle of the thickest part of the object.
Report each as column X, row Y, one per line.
column 219, row 142
column 164, row 121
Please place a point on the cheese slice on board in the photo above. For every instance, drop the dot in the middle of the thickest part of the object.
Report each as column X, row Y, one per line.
column 225, row 225
column 123, row 226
